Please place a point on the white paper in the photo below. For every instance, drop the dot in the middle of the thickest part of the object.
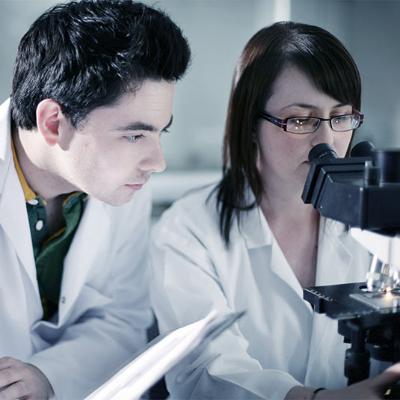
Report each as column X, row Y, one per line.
column 143, row 372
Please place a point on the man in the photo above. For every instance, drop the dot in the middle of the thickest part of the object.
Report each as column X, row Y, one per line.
column 92, row 91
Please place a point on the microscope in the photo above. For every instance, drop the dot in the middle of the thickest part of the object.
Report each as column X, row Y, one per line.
column 363, row 192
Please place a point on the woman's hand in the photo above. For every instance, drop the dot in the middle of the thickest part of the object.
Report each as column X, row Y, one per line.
column 371, row 389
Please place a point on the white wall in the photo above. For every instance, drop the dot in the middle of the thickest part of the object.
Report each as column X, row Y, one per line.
column 370, row 29
column 375, row 42
column 217, row 31
column 15, row 19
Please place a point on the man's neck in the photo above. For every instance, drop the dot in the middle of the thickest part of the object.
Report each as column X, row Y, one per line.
column 40, row 179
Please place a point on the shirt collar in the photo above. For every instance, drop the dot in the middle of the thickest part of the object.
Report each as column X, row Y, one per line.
column 28, row 192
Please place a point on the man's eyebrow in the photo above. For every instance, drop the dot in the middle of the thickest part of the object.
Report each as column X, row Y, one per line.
column 142, row 126
column 137, row 126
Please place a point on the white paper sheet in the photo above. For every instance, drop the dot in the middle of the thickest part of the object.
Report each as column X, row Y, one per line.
column 143, row 372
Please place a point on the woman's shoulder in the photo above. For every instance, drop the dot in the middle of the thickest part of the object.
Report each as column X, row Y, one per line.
column 193, row 215
column 196, row 205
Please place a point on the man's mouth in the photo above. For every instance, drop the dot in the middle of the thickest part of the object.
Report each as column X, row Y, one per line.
column 136, row 185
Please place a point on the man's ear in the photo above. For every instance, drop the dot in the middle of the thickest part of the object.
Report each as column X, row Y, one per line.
column 48, row 117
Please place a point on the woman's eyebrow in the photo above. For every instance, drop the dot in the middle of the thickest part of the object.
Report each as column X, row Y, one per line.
column 310, row 106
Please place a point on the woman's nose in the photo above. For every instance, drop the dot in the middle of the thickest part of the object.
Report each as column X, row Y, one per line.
column 324, row 134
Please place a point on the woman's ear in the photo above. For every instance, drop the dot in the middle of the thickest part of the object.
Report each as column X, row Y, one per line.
column 254, row 131
column 48, row 115
column 254, row 136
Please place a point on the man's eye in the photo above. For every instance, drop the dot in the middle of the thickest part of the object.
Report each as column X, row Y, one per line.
column 133, row 138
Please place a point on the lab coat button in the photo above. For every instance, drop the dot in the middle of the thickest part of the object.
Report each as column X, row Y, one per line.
column 39, row 225
column 63, row 300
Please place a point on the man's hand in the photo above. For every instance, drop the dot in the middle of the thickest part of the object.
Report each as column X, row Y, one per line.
column 21, row 380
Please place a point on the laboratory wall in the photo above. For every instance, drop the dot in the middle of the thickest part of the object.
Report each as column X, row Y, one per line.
column 217, row 31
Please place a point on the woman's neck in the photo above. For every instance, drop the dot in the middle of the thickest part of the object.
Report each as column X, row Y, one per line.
column 295, row 226
column 286, row 204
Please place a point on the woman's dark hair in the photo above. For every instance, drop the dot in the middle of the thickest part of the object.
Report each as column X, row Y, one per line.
column 86, row 54
column 316, row 53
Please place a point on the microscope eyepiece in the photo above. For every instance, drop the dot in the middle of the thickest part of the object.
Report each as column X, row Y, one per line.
column 363, row 149
column 321, row 151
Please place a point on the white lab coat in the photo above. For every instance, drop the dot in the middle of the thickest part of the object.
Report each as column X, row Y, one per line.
column 279, row 343
column 103, row 310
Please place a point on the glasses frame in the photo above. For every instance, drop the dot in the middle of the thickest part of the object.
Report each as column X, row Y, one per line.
column 282, row 123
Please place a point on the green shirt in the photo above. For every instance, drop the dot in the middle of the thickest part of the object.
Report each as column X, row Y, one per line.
column 49, row 252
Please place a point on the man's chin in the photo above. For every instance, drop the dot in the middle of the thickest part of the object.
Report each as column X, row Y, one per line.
column 115, row 201
column 119, row 202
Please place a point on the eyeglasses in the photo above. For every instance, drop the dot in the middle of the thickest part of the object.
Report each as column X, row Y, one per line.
column 304, row 125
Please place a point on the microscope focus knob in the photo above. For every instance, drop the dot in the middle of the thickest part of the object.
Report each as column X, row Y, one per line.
column 388, row 162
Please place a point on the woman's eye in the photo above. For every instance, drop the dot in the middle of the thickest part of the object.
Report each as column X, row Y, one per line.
column 302, row 121
column 133, row 138
column 340, row 118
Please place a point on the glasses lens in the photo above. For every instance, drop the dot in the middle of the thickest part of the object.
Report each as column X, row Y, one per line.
column 302, row 125
column 345, row 122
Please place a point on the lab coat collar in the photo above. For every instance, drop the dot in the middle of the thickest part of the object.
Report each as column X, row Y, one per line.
column 5, row 123
column 253, row 227
column 5, row 140
column 256, row 233
column 13, row 217
column 84, row 253
column 14, row 221
column 334, row 253
column 334, row 266
column 334, row 249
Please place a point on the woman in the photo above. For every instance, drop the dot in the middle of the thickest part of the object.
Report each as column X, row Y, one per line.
column 250, row 243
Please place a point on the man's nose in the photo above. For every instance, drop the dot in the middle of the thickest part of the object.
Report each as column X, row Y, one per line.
column 154, row 161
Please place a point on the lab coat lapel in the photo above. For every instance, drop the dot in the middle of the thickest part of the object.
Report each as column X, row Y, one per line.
column 334, row 254
column 333, row 267
column 254, row 229
column 91, row 239
column 256, row 232
column 253, row 226
column 13, row 214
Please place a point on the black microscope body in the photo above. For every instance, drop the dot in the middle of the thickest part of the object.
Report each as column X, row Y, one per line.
column 362, row 191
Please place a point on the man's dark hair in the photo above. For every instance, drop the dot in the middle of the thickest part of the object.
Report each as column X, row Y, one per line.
column 86, row 54
column 315, row 52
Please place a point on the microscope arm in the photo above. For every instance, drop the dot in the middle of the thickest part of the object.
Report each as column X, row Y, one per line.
column 386, row 248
